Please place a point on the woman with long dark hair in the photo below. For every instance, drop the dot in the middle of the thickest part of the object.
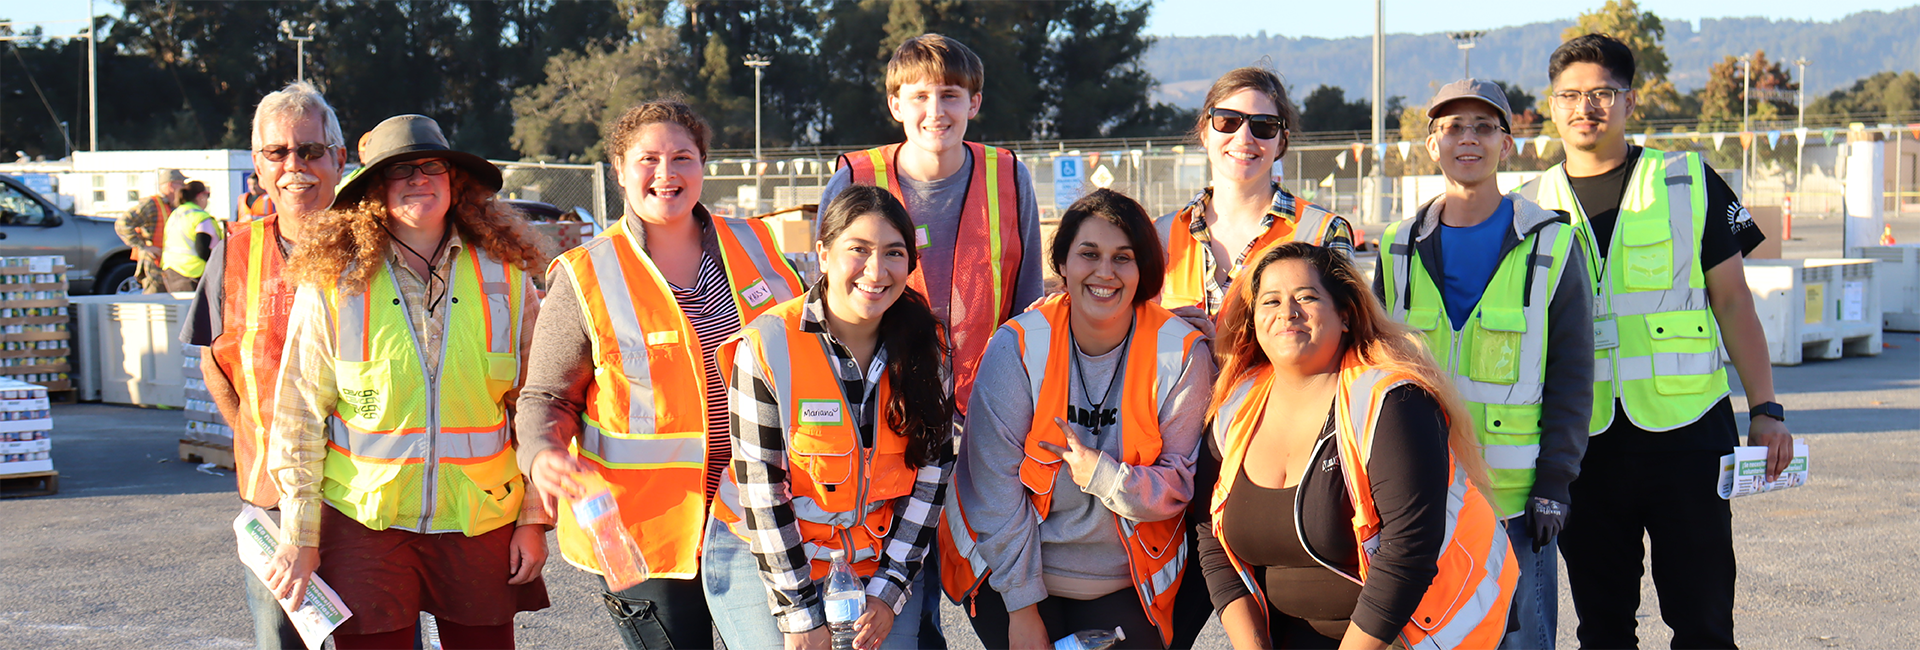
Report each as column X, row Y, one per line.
column 1079, row 455
column 842, row 435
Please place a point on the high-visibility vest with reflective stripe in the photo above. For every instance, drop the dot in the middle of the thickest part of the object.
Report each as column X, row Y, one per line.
column 254, row 207
column 178, row 255
column 1155, row 357
column 1466, row 604
column 843, row 493
column 645, row 423
column 1498, row 359
column 1187, row 273
column 254, row 302
column 1666, row 371
column 988, row 242
column 418, row 449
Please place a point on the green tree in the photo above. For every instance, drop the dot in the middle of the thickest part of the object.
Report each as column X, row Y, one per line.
column 1327, row 109
column 1885, row 96
column 1641, row 31
column 562, row 118
column 1769, row 93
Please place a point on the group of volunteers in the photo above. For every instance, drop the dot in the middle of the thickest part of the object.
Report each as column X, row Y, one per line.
column 1217, row 412
column 171, row 234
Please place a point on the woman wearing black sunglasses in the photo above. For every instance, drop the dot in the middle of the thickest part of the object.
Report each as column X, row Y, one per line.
column 1244, row 127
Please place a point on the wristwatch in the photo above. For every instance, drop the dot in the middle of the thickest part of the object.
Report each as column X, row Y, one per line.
column 1770, row 409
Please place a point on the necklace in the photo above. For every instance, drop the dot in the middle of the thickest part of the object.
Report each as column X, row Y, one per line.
column 1094, row 423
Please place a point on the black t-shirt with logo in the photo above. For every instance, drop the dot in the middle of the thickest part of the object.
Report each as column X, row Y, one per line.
column 1730, row 231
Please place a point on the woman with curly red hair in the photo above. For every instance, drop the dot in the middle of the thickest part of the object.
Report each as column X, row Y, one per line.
column 390, row 439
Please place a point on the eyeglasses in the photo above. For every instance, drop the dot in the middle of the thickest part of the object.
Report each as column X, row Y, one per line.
column 1262, row 126
column 1599, row 97
column 306, row 151
column 403, row 171
column 1455, row 129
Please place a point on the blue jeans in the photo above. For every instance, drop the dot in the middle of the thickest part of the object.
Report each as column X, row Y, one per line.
column 742, row 608
column 272, row 630
column 1536, row 599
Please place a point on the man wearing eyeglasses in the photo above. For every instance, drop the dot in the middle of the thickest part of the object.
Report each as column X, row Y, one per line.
column 1498, row 286
column 241, row 307
column 1668, row 237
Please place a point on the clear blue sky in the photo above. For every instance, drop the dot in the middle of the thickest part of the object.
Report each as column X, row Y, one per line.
column 1342, row 18
column 1324, row 19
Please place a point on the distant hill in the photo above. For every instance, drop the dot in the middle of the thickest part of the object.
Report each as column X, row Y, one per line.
column 1840, row 51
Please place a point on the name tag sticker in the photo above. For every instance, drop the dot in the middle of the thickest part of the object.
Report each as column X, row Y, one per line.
column 921, row 238
column 820, row 411
column 1606, row 334
column 756, row 294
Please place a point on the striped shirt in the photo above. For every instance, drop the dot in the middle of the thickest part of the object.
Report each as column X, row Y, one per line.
column 709, row 308
column 760, row 469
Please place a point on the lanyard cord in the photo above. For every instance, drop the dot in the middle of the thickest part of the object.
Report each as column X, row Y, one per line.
column 433, row 274
column 1113, row 380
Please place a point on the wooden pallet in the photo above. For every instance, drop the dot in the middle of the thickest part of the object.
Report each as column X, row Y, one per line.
column 201, row 452
column 29, row 484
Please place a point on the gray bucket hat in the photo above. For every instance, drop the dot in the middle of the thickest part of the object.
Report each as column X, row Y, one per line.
column 410, row 137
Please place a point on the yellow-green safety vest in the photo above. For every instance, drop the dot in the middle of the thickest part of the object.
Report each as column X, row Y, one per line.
column 1651, row 289
column 1498, row 358
column 177, row 255
column 418, row 448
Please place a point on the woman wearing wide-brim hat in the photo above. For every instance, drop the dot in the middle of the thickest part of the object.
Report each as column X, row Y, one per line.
column 391, row 441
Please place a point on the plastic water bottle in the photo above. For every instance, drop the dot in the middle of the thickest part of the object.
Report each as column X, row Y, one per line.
column 620, row 558
column 1090, row 640
column 846, row 600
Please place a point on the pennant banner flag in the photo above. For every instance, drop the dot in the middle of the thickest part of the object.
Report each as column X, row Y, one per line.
column 1540, row 145
column 1829, row 135
column 1380, row 152
column 1135, row 155
column 1328, row 181
column 1719, row 139
column 1800, row 135
column 1915, row 128
column 1358, row 148
column 1639, row 139
column 1093, row 159
column 746, row 168
column 1746, row 139
column 1341, row 160
column 1407, row 147
column 1773, row 139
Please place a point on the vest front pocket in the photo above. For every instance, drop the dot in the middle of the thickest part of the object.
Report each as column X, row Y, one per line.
column 825, row 456
column 486, row 494
column 368, row 394
column 368, row 491
column 1496, row 345
column 503, row 371
column 1684, row 354
column 1646, row 250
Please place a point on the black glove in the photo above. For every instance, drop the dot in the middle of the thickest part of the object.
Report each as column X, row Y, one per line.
column 1547, row 518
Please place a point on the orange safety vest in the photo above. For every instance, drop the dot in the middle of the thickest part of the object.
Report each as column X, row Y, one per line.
column 1187, row 273
column 843, row 494
column 1156, row 355
column 1466, row 605
column 254, row 303
column 254, row 207
column 982, row 298
column 645, row 423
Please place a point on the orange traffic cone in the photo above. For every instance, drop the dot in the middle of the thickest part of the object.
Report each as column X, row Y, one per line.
column 1886, row 235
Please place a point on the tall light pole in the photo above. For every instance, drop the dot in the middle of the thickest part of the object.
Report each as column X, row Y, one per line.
column 1464, row 40
column 1799, row 138
column 93, row 89
column 1746, row 125
column 1372, row 197
column 759, row 64
column 300, row 47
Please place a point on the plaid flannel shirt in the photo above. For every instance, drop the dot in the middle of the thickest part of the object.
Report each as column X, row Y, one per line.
column 1339, row 236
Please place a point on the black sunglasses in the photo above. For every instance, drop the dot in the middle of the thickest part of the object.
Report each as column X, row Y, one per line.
column 402, row 171
column 1263, row 126
column 306, row 151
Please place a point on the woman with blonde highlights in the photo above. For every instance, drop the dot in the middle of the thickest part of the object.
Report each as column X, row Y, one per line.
column 1327, row 410
column 390, row 440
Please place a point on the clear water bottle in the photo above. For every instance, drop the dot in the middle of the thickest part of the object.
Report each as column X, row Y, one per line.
column 846, row 600
column 1090, row 640
column 620, row 558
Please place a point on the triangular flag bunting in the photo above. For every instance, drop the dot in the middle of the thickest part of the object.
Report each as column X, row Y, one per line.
column 1640, row 139
column 1719, row 139
column 783, row 166
column 1358, row 148
column 1341, row 160
column 1800, row 135
column 1915, row 128
column 1540, row 145
column 1746, row 139
column 761, row 170
column 1405, row 148
column 713, row 169
column 1829, row 135
column 746, row 168
column 1328, row 181
column 1773, row 139
column 1093, row 159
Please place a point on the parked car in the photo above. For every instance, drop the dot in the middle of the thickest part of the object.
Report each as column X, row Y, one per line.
column 97, row 261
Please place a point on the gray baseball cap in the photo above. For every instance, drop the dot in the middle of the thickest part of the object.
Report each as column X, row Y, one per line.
column 170, row 175
column 1473, row 89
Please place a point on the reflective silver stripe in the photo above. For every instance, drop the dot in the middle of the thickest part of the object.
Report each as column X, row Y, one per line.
column 1401, row 270
column 1456, row 500
column 350, row 336
column 618, row 301
column 809, row 510
column 1036, row 344
column 1525, row 391
column 1170, row 355
column 1511, row 456
column 1668, row 364
column 1310, row 223
column 1602, row 370
column 776, row 365
column 1640, row 303
column 750, row 242
column 493, row 284
column 409, row 446
column 644, row 449
column 1679, row 184
column 962, row 542
column 1469, row 615
column 1169, row 574
column 1230, row 411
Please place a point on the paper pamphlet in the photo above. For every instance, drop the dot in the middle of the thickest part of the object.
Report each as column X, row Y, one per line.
column 320, row 609
column 1744, row 472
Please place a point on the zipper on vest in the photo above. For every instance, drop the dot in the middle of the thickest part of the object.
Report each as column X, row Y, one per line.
column 430, row 469
column 1299, row 492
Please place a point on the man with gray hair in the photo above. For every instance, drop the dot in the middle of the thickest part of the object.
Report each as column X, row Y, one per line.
column 142, row 226
column 240, row 309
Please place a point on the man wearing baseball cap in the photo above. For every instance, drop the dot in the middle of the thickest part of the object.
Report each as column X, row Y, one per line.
column 142, row 226
column 1499, row 287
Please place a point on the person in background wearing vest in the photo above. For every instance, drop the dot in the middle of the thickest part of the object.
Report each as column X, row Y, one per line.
column 255, row 204
column 390, row 441
column 1077, row 463
column 143, row 228
column 1498, row 286
column 190, row 234
column 241, row 307
column 976, row 222
column 666, row 284
column 842, row 436
column 1669, row 236
column 1244, row 126
column 1349, row 510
